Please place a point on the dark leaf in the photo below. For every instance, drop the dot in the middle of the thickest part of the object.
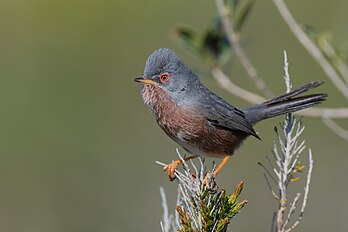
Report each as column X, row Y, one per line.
column 187, row 38
column 241, row 13
column 215, row 44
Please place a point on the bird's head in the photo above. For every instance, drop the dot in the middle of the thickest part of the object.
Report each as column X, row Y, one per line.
column 166, row 74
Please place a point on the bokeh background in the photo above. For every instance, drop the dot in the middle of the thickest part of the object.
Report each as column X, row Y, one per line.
column 78, row 146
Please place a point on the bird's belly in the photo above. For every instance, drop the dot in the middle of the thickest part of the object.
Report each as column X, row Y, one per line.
column 194, row 132
column 210, row 147
column 184, row 131
column 202, row 139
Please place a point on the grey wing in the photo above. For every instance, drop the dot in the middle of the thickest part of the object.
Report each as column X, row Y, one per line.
column 226, row 116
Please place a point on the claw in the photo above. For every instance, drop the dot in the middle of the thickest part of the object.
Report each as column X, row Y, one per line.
column 207, row 179
column 170, row 168
column 209, row 182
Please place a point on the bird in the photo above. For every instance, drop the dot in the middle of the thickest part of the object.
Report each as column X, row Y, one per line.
column 200, row 121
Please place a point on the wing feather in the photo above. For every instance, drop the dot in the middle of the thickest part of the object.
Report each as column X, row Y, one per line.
column 227, row 117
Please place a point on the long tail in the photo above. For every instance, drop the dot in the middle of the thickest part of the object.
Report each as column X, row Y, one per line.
column 286, row 103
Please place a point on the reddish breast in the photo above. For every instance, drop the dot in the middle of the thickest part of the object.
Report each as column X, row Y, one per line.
column 188, row 128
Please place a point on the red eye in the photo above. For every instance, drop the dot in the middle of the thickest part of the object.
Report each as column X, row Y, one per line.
column 164, row 78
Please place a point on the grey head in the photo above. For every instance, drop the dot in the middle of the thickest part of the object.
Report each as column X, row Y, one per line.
column 165, row 69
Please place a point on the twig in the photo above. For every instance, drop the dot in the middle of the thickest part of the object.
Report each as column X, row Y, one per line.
column 313, row 50
column 237, row 48
column 286, row 73
column 342, row 68
column 267, row 171
column 273, row 225
column 200, row 207
column 270, row 187
column 335, row 128
column 286, row 153
column 225, row 82
column 325, row 112
column 304, row 202
column 167, row 219
column 292, row 208
column 234, row 89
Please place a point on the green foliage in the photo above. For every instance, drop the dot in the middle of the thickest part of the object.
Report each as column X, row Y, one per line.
column 324, row 41
column 239, row 11
column 212, row 46
column 188, row 39
column 297, row 169
column 217, row 209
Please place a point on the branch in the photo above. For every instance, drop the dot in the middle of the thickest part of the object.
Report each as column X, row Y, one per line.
column 335, row 128
column 225, row 82
column 325, row 112
column 342, row 68
column 167, row 222
column 242, row 56
column 286, row 153
column 292, row 208
column 330, row 71
column 304, row 202
column 312, row 49
column 201, row 206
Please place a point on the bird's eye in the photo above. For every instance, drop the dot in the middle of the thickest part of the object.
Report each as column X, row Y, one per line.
column 164, row 78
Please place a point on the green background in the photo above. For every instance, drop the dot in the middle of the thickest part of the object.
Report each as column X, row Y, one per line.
column 78, row 146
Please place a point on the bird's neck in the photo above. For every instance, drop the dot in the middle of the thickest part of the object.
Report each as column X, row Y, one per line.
column 158, row 101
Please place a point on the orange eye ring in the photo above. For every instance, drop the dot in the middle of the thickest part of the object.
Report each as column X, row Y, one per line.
column 164, row 78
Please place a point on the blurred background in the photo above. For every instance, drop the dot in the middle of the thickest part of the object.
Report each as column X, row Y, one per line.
column 78, row 146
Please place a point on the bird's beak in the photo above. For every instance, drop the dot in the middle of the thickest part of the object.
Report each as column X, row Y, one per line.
column 144, row 80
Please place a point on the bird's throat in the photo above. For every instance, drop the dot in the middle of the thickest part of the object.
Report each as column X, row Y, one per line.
column 157, row 99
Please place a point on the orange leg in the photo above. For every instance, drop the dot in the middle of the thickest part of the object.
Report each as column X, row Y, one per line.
column 170, row 168
column 216, row 172
column 223, row 163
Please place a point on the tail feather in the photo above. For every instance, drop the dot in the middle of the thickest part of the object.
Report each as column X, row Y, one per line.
column 286, row 103
column 295, row 92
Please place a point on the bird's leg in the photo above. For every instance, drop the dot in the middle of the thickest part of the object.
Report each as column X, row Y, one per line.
column 216, row 172
column 170, row 168
column 222, row 164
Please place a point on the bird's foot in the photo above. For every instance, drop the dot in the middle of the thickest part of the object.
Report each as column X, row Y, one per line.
column 170, row 168
column 209, row 181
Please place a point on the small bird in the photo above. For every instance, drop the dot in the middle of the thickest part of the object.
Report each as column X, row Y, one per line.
column 201, row 122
